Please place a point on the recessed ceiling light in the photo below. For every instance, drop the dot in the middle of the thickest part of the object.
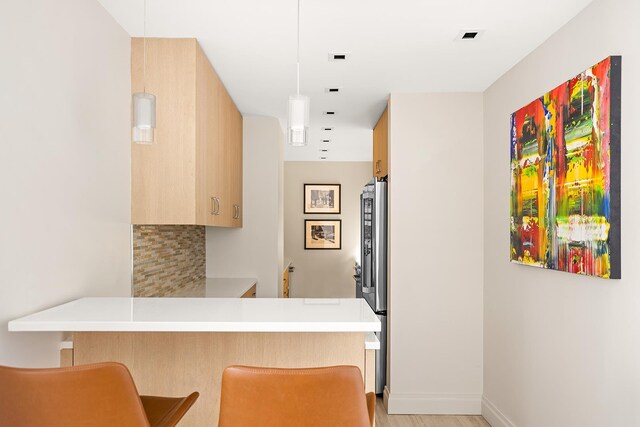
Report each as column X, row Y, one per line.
column 324, row 150
column 468, row 35
column 329, row 113
column 326, row 141
column 338, row 56
column 332, row 90
column 323, row 158
column 327, row 129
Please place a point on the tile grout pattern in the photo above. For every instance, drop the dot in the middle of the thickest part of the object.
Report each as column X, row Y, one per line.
column 167, row 259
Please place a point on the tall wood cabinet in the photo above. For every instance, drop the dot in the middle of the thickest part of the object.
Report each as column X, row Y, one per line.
column 381, row 146
column 192, row 173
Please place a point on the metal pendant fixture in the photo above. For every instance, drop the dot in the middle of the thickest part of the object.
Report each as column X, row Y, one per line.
column 143, row 109
column 298, row 125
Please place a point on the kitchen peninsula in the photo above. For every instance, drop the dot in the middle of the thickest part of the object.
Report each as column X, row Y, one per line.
column 174, row 346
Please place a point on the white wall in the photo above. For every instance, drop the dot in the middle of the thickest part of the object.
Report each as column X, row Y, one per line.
column 435, row 253
column 64, row 164
column 255, row 250
column 560, row 349
column 323, row 274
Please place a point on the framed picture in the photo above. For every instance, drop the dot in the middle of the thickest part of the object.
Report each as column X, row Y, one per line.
column 322, row 234
column 322, row 198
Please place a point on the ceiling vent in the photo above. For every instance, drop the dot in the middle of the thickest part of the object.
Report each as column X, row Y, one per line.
column 468, row 35
column 329, row 113
column 338, row 56
column 332, row 90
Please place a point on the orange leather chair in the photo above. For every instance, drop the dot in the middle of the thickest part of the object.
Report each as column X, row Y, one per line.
column 100, row 395
column 267, row 397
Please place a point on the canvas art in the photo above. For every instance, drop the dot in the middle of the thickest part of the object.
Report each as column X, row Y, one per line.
column 565, row 175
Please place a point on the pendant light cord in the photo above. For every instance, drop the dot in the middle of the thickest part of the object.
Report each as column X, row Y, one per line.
column 298, row 51
column 144, row 47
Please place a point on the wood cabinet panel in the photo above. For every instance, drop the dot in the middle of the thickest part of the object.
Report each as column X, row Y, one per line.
column 227, row 211
column 381, row 146
column 251, row 293
column 194, row 361
column 189, row 175
column 210, row 175
column 236, row 168
column 163, row 174
column 285, row 283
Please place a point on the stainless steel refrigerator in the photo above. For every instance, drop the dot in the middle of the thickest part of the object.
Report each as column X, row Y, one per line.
column 373, row 257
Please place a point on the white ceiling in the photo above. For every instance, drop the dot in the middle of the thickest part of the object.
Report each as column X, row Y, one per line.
column 394, row 46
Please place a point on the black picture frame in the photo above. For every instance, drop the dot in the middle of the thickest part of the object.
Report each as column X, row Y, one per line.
column 310, row 234
column 307, row 199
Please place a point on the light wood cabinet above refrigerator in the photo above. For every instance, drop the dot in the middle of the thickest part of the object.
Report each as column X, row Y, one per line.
column 381, row 146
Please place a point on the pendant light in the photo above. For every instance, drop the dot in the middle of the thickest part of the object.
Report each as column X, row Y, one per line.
column 298, row 126
column 143, row 103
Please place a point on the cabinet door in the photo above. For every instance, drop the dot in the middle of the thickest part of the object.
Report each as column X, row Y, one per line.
column 163, row 189
column 381, row 146
column 225, row 131
column 210, row 148
column 235, row 174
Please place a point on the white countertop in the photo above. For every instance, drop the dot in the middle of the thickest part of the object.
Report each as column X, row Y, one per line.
column 203, row 315
column 219, row 287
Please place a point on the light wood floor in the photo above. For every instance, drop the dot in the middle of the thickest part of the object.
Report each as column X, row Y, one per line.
column 384, row 420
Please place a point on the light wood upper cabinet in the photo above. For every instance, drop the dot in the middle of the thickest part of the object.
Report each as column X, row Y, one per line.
column 381, row 146
column 189, row 175
column 230, row 131
column 236, row 166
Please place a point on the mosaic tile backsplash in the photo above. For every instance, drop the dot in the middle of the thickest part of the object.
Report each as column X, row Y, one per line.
column 167, row 259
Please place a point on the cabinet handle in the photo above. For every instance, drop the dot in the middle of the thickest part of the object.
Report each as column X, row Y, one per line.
column 215, row 205
column 378, row 166
column 236, row 209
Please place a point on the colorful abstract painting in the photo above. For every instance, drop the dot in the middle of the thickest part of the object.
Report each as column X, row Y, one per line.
column 565, row 176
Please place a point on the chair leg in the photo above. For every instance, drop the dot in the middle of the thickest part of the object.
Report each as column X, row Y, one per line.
column 167, row 411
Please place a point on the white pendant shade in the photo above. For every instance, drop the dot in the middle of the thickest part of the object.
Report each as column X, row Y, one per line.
column 144, row 117
column 298, row 127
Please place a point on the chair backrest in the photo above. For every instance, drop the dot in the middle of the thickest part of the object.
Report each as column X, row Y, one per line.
column 267, row 397
column 100, row 395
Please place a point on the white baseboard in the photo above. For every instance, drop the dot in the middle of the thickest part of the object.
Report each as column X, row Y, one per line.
column 432, row 403
column 493, row 415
